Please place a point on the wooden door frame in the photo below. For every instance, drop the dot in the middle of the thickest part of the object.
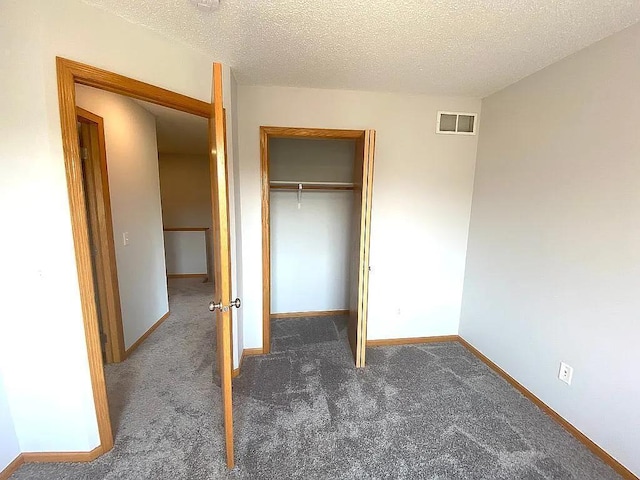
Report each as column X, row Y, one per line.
column 68, row 74
column 109, row 293
column 267, row 133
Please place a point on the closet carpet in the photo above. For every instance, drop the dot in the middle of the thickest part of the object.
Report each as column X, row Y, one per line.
column 429, row 411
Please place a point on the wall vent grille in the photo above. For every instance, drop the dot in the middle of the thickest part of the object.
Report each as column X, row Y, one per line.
column 457, row 123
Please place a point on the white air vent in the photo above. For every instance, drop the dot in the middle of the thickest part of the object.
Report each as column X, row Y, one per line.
column 457, row 123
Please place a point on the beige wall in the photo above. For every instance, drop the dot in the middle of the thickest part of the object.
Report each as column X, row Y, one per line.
column 553, row 268
column 132, row 163
column 421, row 201
column 185, row 188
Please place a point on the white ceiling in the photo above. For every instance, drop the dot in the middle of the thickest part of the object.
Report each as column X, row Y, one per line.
column 439, row 47
column 179, row 132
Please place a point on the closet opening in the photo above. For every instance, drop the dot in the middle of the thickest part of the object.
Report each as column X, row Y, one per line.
column 316, row 212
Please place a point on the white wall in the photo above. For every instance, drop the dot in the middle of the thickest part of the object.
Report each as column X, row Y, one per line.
column 553, row 269
column 186, row 252
column 236, row 212
column 310, row 245
column 310, row 251
column 299, row 159
column 9, row 446
column 52, row 407
column 185, row 189
column 422, row 201
column 228, row 93
column 134, row 188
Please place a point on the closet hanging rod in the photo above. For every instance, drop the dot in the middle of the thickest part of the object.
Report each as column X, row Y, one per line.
column 290, row 185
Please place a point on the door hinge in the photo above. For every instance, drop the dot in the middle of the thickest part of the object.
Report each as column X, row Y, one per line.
column 103, row 338
column 84, row 153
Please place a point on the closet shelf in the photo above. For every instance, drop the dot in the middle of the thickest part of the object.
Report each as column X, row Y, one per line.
column 280, row 185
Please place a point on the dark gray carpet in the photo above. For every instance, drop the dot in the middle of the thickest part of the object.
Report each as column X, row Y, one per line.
column 428, row 411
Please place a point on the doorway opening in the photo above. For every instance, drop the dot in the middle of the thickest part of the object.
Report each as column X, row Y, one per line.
column 85, row 231
column 316, row 214
column 146, row 176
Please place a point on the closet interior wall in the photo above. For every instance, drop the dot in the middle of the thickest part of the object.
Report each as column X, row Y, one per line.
column 310, row 227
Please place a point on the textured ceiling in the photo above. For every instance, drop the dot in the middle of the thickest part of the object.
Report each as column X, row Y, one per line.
column 445, row 47
column 179, row 132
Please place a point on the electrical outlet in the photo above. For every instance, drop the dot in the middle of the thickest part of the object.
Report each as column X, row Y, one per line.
column 125, row 238
column 566, row 373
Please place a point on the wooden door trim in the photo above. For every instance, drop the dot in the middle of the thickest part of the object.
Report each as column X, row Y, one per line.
column 68, row 74
column 112, row 82
column 366, row 239
column 301, row 132
column 266, row 239
column 106, row 244
column 266, row 133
